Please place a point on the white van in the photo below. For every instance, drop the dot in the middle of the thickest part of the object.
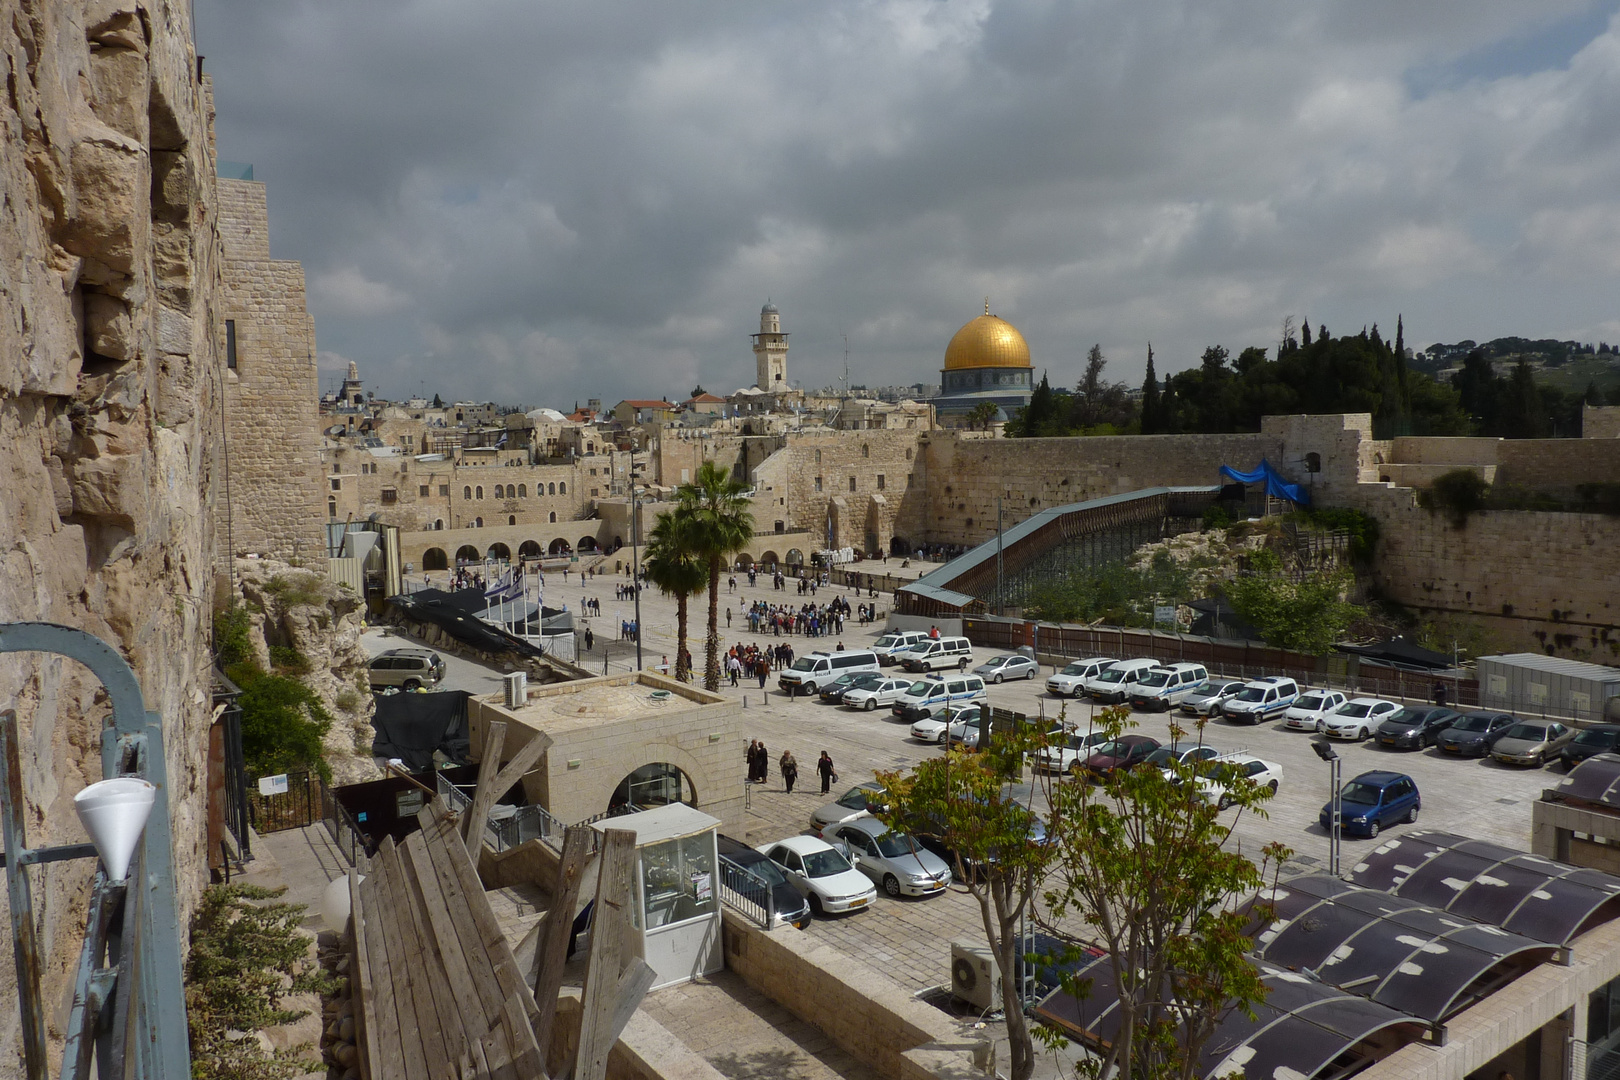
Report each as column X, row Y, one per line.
column 1109, row 683
column 1165, row 687
column 926, row 697
column 889, row 646
column 937, row 653
column 809, row 673
column 1071, row 681
column 1262, row 699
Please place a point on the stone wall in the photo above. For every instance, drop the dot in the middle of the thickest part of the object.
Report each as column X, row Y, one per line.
column 109, row 403
column 271, row 502
column 1600, row 421
column 859, row 489
column 1558, row 465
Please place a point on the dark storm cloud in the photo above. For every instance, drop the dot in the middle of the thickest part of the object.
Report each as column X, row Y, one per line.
column 540, row 203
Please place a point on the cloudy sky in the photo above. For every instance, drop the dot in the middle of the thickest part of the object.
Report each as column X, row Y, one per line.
column 541, row 202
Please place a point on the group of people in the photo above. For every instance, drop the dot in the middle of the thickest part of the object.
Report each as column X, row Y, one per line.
column 759, row 767
column 753, row 662
column 809, row 620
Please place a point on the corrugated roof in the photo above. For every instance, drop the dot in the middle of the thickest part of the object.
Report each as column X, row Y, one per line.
column 1556, row 665
column 1595, row 780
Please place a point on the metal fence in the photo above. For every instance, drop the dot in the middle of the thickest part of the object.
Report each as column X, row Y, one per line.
column 746, row 893
column 235, row 780
column 296, row 808
column 523, row 824
column 345, row 831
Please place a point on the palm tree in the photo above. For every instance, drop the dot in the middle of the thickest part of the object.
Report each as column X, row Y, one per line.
column 721, row 526
column 674, row 565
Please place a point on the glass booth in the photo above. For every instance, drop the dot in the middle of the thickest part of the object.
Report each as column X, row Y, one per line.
column 677, row 903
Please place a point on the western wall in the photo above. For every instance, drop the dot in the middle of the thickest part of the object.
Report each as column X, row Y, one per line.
column 110, row 300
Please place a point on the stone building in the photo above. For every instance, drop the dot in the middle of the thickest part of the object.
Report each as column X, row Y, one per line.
column 986, row 361
column 270, row 500
column 111, row 341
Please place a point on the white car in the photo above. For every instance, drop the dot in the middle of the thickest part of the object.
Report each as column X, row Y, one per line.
column 886, row 692
column 892, row 859
column 1264, row 773
column 1311, row 709
column 949, row 724
column 1072, row 679
column 1357, row 718
column 1012, row 666
column 820, row 872
column 1110, row 683
column 1060, row 757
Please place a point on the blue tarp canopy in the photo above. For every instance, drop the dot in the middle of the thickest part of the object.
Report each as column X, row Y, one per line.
column 1276, row 486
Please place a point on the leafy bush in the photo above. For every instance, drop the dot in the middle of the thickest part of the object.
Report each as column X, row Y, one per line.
column 283, row 722
column 246, row 956
column 288, row 660
column 1306, row 615
column 232, row 646
column 296, row 590
column 1216, row 517
column 1120, row 595
column 1456, row 494
column 1362, row 527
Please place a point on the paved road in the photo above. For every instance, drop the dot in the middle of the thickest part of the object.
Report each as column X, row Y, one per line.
column 911, row 939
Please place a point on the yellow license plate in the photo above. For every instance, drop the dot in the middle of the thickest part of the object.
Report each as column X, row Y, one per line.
column 858, row 903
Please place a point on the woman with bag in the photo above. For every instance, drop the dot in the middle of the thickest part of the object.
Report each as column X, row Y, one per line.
column 828, row 773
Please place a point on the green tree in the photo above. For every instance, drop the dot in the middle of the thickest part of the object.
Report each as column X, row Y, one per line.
column 1150, row 398
column 963, row 799
column 1146, row 858
column 982, row 416
column 721, row 525
column 1037, row 419
column 673, row 564
column 1305, row 614
column 283, row 723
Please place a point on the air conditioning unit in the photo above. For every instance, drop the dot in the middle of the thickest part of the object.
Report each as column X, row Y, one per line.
column 975, row 976
column 517, row 689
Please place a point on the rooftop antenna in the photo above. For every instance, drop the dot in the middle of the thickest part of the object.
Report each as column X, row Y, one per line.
column 846, row 365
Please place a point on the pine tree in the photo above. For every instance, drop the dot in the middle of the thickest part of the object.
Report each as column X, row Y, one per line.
column 1150, row 398
column 1305, row 332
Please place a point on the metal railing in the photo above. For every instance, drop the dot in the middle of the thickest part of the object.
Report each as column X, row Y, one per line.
column 746, row 893
column 525, row 823
column 351, row 842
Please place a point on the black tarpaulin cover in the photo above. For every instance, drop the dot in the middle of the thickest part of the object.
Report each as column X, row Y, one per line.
column 411, row 726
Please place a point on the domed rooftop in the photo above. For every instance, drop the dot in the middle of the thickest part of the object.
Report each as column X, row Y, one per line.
column 987, row 342
column 769, row 309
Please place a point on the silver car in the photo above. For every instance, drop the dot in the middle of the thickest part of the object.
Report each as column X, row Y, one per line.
column 892, row 859
column 1531, row 743
column 1012, row 666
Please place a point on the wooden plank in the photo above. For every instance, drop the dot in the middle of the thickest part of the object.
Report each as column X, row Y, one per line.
column 443, row 847
column 469, row 1021
column 424, row 971
column 365, row 1001
column 521, row 762
column 498, row 1055
column 526, row 1055
column 390, row 1059
column 401, row 960
column 489, row 767
column 615, row 943
column 495, row 947
column 551, row 951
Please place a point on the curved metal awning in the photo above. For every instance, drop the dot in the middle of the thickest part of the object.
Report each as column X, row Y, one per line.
column 1302, row 1028
column 1526, row 894
column 1407, row 955
column 1595, row 780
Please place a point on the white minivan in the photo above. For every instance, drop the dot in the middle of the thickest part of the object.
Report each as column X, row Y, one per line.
column 1262, row 699
column 936, row 653
column 929, row 696
column 891, row 644
column 1071, row 681
column 809, row 673
column 1165, row 687
column 1109, row 683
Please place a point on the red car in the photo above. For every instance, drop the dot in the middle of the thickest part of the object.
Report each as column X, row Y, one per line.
column 1125, row 752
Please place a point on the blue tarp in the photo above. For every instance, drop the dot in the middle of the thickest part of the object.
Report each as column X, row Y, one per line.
column 1275, row 485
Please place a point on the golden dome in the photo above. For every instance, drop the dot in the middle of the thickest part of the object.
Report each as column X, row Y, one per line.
column 987, row 342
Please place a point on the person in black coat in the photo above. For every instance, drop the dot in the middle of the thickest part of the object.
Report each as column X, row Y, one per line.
column 825, row 767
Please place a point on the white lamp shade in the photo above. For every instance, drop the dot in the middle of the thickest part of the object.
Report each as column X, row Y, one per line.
column 114, row 813
column 335, row 903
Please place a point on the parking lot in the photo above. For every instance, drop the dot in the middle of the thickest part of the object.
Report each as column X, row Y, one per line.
column 911, row 939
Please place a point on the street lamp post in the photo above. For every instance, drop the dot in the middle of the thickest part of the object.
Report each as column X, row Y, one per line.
column 1335, row 804
column 635, row 551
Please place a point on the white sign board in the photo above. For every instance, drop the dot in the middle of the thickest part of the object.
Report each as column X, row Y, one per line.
column 273, row 785
column 1164, row 614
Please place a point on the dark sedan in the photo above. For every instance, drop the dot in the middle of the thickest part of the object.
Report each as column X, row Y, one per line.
column 1473, row 734
column 834, row 691
column 1598, row 739
column 789, row 906
column 1125, row 752
column 1415, row 728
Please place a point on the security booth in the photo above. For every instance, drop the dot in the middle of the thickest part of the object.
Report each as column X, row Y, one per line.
column 677, row 901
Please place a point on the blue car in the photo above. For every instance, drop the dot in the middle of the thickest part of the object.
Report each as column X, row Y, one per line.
column 1373, row 800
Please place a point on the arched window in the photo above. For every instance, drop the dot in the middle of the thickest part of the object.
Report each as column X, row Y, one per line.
column 466, row 493
column 866, row 451
column 551, row 489
column 331, row 508
column 562, row 488
column 818, row 457
column 480, row 490
column 554, row 517
column 478, row 523
column 438, row 525
column 523, row 491
column 435, row 559
column 499, row 490
column 511, row 519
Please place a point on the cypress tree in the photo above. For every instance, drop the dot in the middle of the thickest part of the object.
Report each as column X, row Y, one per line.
column 1150, row 398
column 1305, row 332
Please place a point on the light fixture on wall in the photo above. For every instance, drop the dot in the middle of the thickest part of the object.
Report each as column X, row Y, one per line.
column 114, row 813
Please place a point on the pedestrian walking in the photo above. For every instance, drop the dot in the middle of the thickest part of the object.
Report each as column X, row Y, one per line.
column 590, row 639
column 762, row 669
column 828, row 774
column 751, row 755
column 790, row 770
column 764, row 764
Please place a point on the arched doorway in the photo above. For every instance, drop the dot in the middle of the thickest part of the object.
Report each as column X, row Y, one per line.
column 435, row 559
column 559, row 546
column 499, row 552
column 586, row 543
column 795, row 557
column 466, row 553
column 657, row 784
column 899, row 546
column 744, row 561
column 769, row 561
column 529, row 549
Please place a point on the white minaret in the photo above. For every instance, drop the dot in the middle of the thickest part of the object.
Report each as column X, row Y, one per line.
column 770, row 350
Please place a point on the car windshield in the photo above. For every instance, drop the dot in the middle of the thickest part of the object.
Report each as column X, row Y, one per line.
column 1154, row 678
column 1312, row 702
column 1354, row 708
column 998, row 661
column 1595, row 738
column 1526, row 731
column 1112, row 748
column 1473, row 723
column 865, row 682
column 887, row 641
column 804, row 663
column 1164, row 756
column 1075, row 669
column 893, row 845
column 1253, row 693
column 855, row 798
column 824, row 863
column 1407, row 716
column 1111, row 675
column 1360, row 793
column 918, row 689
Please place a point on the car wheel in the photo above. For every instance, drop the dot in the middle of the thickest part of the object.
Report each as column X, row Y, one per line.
column 891, row 884
column 1411, row 815
column 1030, row 674
column 997, row 679
column 412, row 685
column 1321, row 727
column 815, row 906
column 1372, row 828
column 1362, row 733
column 870, row 704
column 809, row 689
column 1216, row 710
column 1273, row 787
column 1223, row 802
column 963, row 666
